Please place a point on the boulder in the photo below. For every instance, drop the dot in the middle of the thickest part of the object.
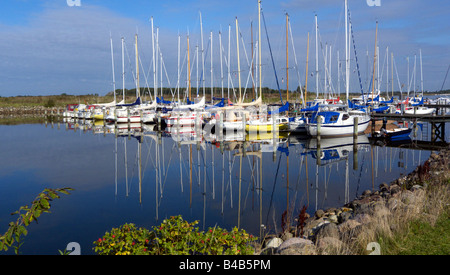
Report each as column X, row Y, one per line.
column 274, row 243
column 328, row 230
column 348, row 225
column 297, row 246
column 319, row 214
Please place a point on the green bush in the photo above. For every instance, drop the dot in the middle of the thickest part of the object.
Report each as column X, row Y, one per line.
column 174, row 237
column 50, row 103
column 28, row 214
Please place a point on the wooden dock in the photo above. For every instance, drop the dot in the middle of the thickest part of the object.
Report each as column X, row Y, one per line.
column 437, row 122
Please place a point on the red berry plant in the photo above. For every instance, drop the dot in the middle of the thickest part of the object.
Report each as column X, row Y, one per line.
column 174, row 236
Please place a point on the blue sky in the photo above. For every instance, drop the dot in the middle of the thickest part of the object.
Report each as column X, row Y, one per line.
column 49, row 47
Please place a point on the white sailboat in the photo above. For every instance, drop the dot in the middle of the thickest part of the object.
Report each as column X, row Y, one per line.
column 339, row 120
column 417, row 109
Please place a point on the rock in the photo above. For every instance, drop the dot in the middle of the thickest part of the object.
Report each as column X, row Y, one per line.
column 393, row 204
column 293, row 241
column 434, row 156
column 297, row 246
column 319, row 213
column 286, row 236
column 331, row 211
column 362, row 207
column 344, row 216
column 416, row 187
column 384, row 187
column 333, row 218
column 268, row 251
column 394, row 189
column 348, row 225
column 408, row 197
column 274, row 243
column 328, row 230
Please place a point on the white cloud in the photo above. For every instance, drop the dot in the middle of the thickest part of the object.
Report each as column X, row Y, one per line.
column 61, row 50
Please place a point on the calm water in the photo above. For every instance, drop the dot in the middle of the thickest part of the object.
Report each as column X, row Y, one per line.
column 144, row 179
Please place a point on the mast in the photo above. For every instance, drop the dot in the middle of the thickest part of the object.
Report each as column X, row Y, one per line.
column 229, row 60
column 317, row 61
column 112, row 61
column 421, row 72
column 161, row 71
column 138, row 93
column 203, row 54
column 178, row 81
column 260, row 46
column 347, row 60
column 407, row 58
column 392, row 72
column 212, row 82
column 306, row 75
column 387, row 72
column 123, row 71
column 374, row 62
column 154, row 61
column 253, row 63
column 196, row 63
column 221, row 65
column 239, row 63
column 339, row 73
column 287, row 58
column 189, row 69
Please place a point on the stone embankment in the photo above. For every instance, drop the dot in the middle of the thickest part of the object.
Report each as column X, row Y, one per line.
column 332, row 231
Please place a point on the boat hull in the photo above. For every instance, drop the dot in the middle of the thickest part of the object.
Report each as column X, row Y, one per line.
column 337, row 130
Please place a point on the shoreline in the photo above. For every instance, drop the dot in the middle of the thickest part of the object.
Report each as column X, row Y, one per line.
column 338, row 230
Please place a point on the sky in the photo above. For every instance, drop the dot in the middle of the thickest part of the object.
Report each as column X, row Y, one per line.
column 64, row 46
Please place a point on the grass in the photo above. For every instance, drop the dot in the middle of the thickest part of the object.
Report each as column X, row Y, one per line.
column 419, row 224
column 419, row 228
column 425, row 239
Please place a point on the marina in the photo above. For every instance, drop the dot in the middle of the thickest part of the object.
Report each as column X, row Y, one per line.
column 236, row 154
column 143, row 173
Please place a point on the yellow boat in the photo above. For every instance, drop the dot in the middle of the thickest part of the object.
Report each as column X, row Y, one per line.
column 281, row 124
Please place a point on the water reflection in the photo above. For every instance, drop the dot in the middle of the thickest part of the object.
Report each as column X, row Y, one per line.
column 229, row 179
column 228, row 169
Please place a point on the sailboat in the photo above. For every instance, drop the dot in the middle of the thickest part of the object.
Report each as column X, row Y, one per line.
column 269, row 125
column 106, row 108
column 339, row 120
column 418, row 108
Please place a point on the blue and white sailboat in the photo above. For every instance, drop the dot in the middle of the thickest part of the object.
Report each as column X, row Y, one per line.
column 339, row 120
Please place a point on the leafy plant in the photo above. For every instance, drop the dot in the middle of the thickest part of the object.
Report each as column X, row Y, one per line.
column 174, row 236
column 27, row 215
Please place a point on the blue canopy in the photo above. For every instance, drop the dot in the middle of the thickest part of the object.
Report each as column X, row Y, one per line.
column 420, row 103
column 137, row 102
column 315, row 108
column 329, row 117
column 189, row 102
column 381, row 109
column 218, row 105
column 159, row 101
column 352, row 105
column 283, row 108
column 377, row 98
column 389, row 101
